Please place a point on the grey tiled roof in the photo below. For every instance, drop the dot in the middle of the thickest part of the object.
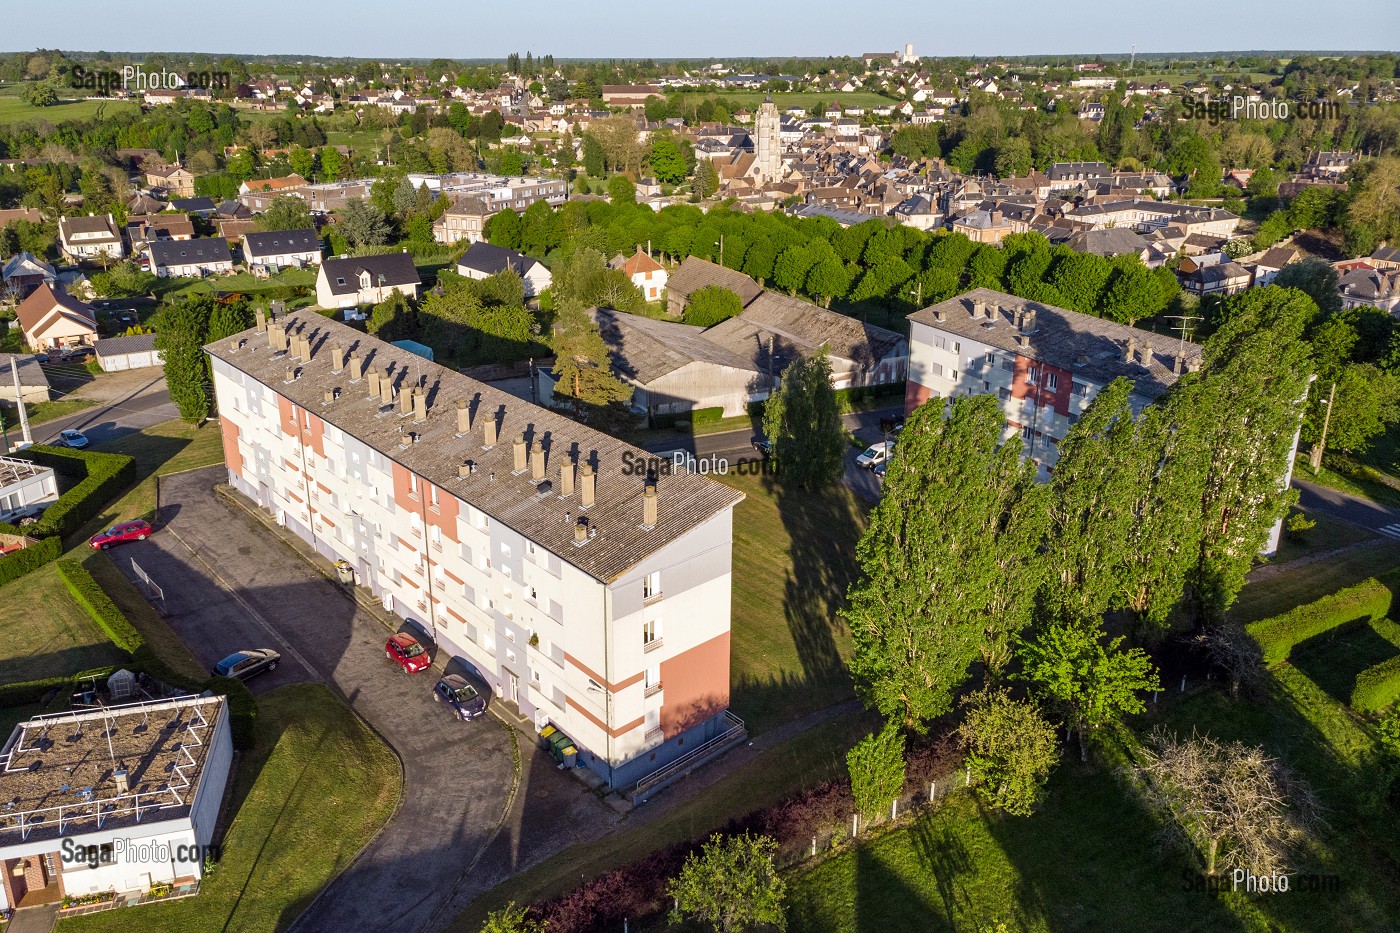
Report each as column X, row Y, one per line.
column 644, row 349
column 793, row 328
column 118, row 346
column 1067, row 339
column 396, row 268
column 186, row 252
column 280, row 243
column 620, row 543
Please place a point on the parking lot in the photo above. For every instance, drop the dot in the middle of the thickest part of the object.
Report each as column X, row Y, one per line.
column 229, row 584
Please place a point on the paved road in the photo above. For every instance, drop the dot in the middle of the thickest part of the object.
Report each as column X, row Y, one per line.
column 229, row 583
column 127, row 402
column 1348, row 508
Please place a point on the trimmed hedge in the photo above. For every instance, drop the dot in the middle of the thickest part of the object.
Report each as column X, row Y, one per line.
column 1377, row 687
column 242, row 709
column 699, row 416
column 1278, row 636
column 99, row 605
column 100, row 478
column 17, row 563
column 32, row 691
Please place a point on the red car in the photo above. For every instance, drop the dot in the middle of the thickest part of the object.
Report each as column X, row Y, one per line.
column 405, row 651
column 120, row 534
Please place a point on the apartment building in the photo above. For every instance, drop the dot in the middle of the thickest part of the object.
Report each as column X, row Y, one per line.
column 1045, row 363
column 537, row 551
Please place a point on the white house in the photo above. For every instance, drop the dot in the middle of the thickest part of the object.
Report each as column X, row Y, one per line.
column 268, row 253
column 204, row 256
column 346, row 282
column 482, row 260
column 127, row 797
column 25, row 489
column 90, row 237
column 646, row 273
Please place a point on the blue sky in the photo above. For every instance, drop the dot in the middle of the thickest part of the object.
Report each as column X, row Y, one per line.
column 671, row 29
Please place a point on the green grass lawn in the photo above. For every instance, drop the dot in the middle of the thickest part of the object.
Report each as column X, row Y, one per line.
column 244, row 282
column 39, row 412
column 14, row 110
column 1272, row 595
column 317, row 786
column 1333, row 659
column 45, row 633
column 1328, row 535
column 794, row 557
column 169, row 447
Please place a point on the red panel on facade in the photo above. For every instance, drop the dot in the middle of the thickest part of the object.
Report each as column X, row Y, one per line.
column 232, row 457
column 314, row 433
column 696, row 685
column 915, row 395
column 287, row 417
column 443, row 515
column 404, row 498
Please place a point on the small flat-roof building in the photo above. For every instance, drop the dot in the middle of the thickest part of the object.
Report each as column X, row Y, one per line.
column 25, row 489
column 135, row 351
column 33, row 383
column 114, row 799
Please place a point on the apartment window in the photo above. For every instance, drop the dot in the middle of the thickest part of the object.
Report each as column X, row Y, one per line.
column 1080, row 389
column 505, row 552
column 653, row 679
column 1009, row 365
column 651, row 585
column 957, row 347
column 433, row 496
column 1032, row 374
column 535, row 676
column 435, row 536
column 953, row 375
column 991, row 359
column 1027, row 434
column 510, row 656
column 1046, row 442
column 936, row 369
column 651, row 633
column 412, row 486
column 1052, row 381
column 1004, row 392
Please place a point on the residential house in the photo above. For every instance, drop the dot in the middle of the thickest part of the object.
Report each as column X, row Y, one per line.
column 26, row 489
column 593, row 603
column 200, row 257
column 630, row 95
column 346, row 282
column 695, row 273
column 143, row 229
column 986, row 226
column 1268, row 266
column 1111, row 241
column 272, row 184
column 52, row 319
column 1046, row 364
column 202, row 207
column 1375, row 288
column 23, row 272
column 1385, row 257
column 646, row 273
column 775, row 329
column 33, row 383
column 1221, row 278
column 672, row 367
column 90, row 237
column 175, row 180
column 270, row 252
column 483, row 260
column 464, row 220
column 125, row 780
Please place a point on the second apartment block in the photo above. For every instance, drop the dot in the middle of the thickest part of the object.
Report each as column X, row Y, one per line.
column 527, row 546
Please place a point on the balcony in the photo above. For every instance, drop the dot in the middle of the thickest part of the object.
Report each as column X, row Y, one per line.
column 654, row 735
column 653, row 689
column 652, row 645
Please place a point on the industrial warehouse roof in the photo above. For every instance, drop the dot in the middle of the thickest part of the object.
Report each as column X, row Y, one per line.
column 1079, row 343
column 620, row 541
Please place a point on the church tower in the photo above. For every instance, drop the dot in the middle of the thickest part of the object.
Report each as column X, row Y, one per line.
column 768, row 161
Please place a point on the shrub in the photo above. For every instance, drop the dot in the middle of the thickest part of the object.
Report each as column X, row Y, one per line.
column 17, row 563
column 1299, row 525
column 681, row 424
column 100, row 478
column 701, row 416
column 1278, row 636
column 99, row 605
column 242, row 710
column 32, row 691
column 1377, row 687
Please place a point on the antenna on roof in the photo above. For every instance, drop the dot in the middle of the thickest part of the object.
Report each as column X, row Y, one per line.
column 1183, row 328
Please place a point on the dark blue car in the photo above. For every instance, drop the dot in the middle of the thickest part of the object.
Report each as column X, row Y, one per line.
column 464, row 699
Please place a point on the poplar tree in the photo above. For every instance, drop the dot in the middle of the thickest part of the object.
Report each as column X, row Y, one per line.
column 948, row 560
column 803, row 423
column 181, row 332
column 1246, row 405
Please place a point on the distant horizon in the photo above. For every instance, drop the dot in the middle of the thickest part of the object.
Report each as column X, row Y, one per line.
column 635, row 29
column 488, row 59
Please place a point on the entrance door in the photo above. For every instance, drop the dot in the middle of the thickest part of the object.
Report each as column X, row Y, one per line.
column 513, row 687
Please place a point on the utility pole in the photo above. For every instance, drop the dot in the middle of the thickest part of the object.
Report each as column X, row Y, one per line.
column 19, row 402
column 1315, row 455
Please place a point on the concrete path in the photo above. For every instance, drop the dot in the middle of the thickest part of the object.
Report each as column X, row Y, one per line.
column 41, row 919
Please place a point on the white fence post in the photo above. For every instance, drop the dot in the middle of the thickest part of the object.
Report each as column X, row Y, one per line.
column 932, row 790
column 855, row 825
column 969, row 775
column 814, row 845
column 894, row 809
column 1183, row 683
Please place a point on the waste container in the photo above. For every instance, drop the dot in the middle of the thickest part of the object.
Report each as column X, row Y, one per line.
column 343, row 572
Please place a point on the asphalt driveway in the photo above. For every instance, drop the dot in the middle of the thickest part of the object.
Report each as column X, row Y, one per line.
column 466, row 820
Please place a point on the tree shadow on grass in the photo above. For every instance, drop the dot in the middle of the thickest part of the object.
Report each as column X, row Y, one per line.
column 1332, row 660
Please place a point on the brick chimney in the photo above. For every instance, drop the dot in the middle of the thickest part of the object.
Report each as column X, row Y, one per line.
column 649, row 505
column 337, row 357
column 566, row 478
column 1130, row 350
column 406, row 401
column 536, row 461
column 357, row 366
column 262, row 320
column 420, row 405
column 587, row 483
column 386, row 390
column 374, row 377
column 518, row 451
column 581, row 531
column 489, row 433
column 464, row 418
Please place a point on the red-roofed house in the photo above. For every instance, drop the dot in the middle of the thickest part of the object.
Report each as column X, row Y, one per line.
column 51, row 318
column 646, row 273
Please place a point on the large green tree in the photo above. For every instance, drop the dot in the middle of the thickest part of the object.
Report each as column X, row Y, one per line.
column 285, row 213
column 731, row 884
column 710, row 305
column 948, row 561
column 362, row 224
column 182, row 329
column 1011, row 750
column 803, row 423
column 1092, row 684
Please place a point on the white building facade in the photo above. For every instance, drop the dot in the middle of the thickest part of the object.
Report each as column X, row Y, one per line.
column 519, row 541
